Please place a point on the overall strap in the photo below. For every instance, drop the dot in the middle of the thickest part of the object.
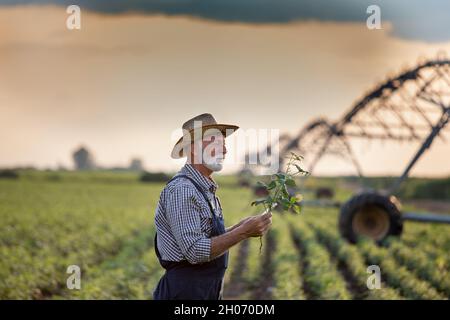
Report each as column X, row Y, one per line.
column 196, row 185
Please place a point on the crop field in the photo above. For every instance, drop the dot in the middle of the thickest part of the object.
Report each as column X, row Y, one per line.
column 104, row 224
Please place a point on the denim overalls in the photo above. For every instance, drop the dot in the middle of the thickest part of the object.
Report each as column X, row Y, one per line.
column 187, row 281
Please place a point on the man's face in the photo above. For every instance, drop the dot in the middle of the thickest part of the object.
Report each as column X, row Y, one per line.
column 212, row 153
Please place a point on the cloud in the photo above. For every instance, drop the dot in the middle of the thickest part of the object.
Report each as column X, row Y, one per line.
column 126, row 83
column 411, row 19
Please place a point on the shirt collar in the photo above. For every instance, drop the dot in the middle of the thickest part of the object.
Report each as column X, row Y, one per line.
column 206, row 183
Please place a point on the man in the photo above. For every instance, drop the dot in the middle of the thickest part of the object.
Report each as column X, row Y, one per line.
column 191, row 241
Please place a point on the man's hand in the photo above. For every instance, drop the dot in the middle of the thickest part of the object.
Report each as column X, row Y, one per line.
column 253, row 226
column 237, row 224
column 256, row 226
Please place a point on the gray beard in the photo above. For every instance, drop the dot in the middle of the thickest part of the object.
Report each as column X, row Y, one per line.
column 214, row 166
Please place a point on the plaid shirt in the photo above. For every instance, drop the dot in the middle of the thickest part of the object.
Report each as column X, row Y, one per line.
column 183, row 218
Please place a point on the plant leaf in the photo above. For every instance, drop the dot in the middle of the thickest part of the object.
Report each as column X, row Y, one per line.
column 297, row 208
column 271, row 185
column 290, row 182
column 261, row 184
column 258, row 202
column 285, row 203
column 300, row 170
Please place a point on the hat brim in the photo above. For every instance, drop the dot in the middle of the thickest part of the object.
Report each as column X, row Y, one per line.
column 188, row 138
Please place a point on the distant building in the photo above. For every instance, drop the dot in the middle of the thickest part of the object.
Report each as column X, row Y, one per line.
column 136, row 165
column 83, row 159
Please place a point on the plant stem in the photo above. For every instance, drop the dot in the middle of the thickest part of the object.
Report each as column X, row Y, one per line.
column 260, row 244
column 273, row 200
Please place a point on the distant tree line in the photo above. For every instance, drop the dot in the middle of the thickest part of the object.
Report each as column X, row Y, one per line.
column 83, row 159
column 9, row 174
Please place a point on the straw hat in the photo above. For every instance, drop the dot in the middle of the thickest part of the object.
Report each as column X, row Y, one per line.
column 191, row 132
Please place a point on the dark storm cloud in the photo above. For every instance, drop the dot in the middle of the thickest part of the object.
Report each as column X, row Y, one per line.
column 412, row 19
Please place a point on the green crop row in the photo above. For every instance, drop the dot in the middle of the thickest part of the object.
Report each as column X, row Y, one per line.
column 288, row 283
column 50, row 226
column 351, row 257
column 396, row 275
column 424, row 233
column 320, row 274
column 418, row 262
column 253, row 267
column 433, row 240
column 132, row 274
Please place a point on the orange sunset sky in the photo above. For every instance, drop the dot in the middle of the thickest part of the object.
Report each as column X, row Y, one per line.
column 123, row 83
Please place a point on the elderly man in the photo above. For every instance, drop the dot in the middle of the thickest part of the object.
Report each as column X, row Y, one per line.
column 191, row 241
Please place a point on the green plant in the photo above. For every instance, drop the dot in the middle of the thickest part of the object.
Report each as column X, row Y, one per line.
column 277, row 189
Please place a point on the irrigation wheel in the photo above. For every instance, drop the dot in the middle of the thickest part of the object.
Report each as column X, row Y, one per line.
column 372, row 215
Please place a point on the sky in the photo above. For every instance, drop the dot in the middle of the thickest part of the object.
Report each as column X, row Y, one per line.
column 135, row 71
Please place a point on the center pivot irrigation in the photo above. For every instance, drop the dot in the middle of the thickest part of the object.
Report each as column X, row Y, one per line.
column 413, row 106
